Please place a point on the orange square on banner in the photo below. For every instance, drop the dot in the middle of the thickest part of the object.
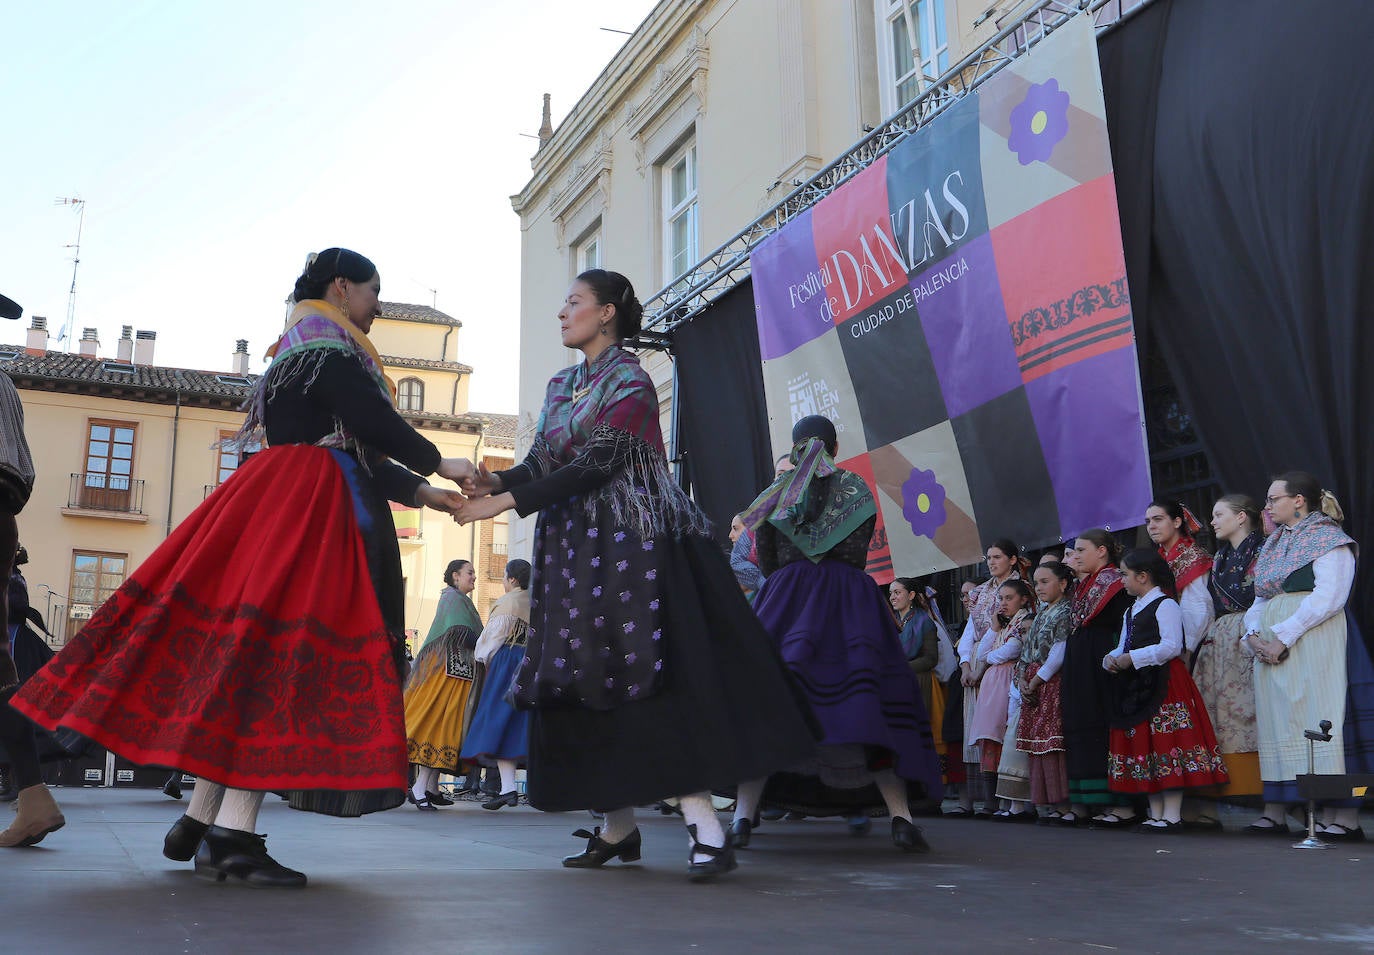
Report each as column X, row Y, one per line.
column 852, row 230
column 1063, row 278
column 879, row 553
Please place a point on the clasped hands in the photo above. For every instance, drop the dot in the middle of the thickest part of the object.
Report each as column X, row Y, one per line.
column 1270, row 650
column 478, row 497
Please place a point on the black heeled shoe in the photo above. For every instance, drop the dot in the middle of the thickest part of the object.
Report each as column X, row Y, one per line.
column 183, row 839
column 906, row 835
column 227, row 855
column 424, row 805
column 511, row 798
column 721, row 861
column 599, row 851
column 741, row 830
column 173, row 786
column 438, row 799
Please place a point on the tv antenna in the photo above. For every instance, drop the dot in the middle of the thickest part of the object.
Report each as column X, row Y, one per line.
column 76, row 260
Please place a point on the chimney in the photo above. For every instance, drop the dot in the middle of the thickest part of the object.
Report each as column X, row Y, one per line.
column 37, row 343
column 126, row 344
column 240, row 365
column 546, row 127
column 143, row 347
column 90, row 343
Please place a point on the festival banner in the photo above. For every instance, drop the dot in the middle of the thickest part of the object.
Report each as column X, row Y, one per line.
column 959, row 309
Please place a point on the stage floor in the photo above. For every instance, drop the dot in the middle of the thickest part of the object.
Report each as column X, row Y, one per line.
column 465, row 880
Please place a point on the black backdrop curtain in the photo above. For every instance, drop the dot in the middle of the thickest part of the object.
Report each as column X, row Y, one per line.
column 1252, row 133
column 1243, row 140
column 723, row 424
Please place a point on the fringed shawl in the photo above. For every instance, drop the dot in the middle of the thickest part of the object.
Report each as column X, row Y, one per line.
column 1188, row 561
column 1291, row 548
column 452, row 640
column 1233, row 575
column 607, row 409
column 1092, row 595
column 786, row 502
column 315, row 330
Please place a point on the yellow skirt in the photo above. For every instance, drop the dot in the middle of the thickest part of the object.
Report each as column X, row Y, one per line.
column 436, row 720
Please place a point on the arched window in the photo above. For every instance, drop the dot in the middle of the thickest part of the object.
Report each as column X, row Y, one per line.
column 410, row 394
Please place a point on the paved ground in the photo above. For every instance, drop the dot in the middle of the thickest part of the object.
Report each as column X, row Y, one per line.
column 465, row 880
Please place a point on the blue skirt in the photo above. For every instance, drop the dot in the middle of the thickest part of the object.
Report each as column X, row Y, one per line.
column 498, row 730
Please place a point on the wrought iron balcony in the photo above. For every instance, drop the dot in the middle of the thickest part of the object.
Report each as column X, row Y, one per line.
column 106, row 492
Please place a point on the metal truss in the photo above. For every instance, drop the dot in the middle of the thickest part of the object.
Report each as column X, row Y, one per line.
column 729, row 265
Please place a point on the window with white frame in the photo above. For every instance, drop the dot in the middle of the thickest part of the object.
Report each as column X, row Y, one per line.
column 410, row 395
column 913, row 48
column 680, row 217
column 587, row 252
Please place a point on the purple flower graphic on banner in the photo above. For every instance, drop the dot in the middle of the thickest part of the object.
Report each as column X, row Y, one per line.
column 1039, row 122
column 923, row 502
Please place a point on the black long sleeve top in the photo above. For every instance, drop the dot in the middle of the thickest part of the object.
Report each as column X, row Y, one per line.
column 341, row 389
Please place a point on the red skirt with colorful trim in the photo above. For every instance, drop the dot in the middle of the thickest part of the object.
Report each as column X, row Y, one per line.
column 1175, row 748
column 249, row 649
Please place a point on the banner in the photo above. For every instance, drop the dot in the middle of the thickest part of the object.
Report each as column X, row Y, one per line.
column 960, row 310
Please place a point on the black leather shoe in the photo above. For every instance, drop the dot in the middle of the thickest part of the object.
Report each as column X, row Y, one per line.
column 906, row 835
column 721, row 861
column 228, row 855
column 7, row 791
column 424, row 805
column 183, row 839
column 740, row 832
column 599, row 852
column 511, row 798
column 173, row 786
column 439, row 799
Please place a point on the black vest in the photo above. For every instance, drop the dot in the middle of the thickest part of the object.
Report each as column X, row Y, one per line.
column 1137, row 693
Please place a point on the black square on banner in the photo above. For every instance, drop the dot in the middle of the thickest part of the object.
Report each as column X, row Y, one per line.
column 1008, row 480
column 891, row 369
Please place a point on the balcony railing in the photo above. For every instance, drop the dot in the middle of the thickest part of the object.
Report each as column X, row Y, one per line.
column 500, row 548
column 106, row 492
column 209, row 489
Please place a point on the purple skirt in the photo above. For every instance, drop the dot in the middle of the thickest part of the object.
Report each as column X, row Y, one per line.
column 837, row 636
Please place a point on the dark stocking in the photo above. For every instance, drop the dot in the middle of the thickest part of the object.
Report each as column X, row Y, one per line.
column 16, row 732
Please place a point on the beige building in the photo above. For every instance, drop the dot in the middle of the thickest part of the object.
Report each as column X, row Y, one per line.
column 712, row 112
column 124, row 449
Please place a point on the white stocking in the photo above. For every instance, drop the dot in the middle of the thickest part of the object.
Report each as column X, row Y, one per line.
column 747, row 796
column 425, row 779
column 506, row 767
column 698, row 811
column 205, row 800
column 239, row 810
column 617, row 825
column 894, row 794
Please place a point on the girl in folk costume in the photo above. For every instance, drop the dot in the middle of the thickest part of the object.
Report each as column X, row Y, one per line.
column 646, row 672
column 1171, row 527
column 499, row 731
column 828, row 619
column 1310, row 664
column 997, row 655
column 1099, row 603
column 1004, row 562
column 1161, row 739
column 1222, row 669
column 261, row 646
column 1040, row 731
column 438, row 697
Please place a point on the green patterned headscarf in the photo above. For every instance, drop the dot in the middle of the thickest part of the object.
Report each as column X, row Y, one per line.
column 840, row 505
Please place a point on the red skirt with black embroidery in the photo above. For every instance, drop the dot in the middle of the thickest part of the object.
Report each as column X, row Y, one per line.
column 249, row 649
column 1176, row 748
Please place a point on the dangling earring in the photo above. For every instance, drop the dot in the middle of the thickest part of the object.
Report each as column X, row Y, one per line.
column 605, row 329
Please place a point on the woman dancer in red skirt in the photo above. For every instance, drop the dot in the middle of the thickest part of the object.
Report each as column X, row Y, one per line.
column 259, row 648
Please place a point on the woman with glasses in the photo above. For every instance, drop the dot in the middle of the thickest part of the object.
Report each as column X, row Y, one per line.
column 1305, row 665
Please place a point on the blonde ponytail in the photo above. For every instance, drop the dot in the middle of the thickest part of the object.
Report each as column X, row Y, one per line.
column 1332, row 507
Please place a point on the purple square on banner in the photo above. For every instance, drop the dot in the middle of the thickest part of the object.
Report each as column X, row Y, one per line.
column 789, row 290
column 960, row 304
column 1088, row 418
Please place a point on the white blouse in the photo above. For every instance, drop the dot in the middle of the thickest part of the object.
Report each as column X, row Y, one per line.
column 1170, row 620
column 1335, row 573
column 1198, row 611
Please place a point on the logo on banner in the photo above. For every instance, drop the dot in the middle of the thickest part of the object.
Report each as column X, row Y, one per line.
column 807, row 396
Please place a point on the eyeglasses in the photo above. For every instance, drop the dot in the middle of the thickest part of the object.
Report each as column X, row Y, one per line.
column 1269, row 501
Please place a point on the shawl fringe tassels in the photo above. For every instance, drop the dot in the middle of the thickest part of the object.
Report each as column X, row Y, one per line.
column 643, row 495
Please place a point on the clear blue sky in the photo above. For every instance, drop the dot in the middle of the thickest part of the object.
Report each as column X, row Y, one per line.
column 216, row 145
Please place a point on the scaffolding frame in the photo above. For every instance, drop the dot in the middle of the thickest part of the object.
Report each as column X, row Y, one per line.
column 693, row 292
